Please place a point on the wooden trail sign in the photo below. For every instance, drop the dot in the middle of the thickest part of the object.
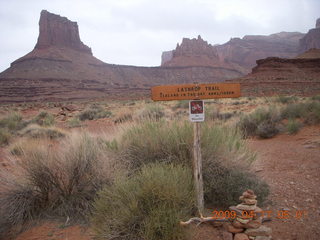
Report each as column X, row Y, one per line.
column 195, row 91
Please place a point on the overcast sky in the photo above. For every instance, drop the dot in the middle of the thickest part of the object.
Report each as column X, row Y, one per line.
column 136, row 32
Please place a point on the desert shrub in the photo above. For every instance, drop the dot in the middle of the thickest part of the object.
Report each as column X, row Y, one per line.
column 94, row 112
column 35, row 131
column 150, row 142
column 148, row 205
column 309, row 111
column 267, row 129
column 74, row 122
column 4, row 136
column 13, row 122
column 286, row 99
column 153, row 141
column 214, row 114
column 44, row 119
column 229, row 183
column 293, row 126
column 54, row 181
column 316, row 98
column 294, row 110
column 153, row 112
column 262, row 122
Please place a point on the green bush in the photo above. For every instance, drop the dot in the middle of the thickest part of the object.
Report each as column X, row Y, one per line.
column 94, row 112
column 293, row 126
column 4, row 136
column 148, row 205
column 181, row 104
column 44, row 119
column 262, row 122
column 150, row 142
column 294, row 110
column 228, row 184
column 309, row 111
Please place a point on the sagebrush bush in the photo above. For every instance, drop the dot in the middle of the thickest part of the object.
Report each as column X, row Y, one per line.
column 94, row 112
column 74, row 122
column 44, row 119
column 293, row 126
column 262, row 122
column 286, row 99
column 309, row 111
column 148, row 205
column 57, row 181
column 151, row 142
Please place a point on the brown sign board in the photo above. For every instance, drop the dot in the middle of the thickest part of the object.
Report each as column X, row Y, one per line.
column 195, row 91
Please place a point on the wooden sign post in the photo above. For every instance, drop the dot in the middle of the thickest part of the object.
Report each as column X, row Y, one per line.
column 196, row 92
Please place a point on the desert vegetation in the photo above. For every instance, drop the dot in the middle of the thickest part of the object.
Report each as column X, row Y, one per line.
column 134, row 181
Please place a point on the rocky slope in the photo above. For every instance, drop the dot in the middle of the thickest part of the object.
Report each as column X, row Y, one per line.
column 62, row 67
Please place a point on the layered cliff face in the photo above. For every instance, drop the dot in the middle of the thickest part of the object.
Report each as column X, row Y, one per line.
column 300, row 75
column 311, row 39
column 62, row 67
column 238, row 54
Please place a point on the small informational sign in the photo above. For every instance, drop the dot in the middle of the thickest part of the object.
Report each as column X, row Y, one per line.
column 196, row 109
column 195, row 91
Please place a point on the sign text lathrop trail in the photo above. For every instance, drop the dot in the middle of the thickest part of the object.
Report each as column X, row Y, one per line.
column 196, row 92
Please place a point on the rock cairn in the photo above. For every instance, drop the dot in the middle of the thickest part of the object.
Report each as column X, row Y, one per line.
column 248, row 221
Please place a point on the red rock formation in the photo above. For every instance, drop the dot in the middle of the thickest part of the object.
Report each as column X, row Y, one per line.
column 59, row 31
column 300, row 75
column 62, row 67
column 247, row 50
column 311, row 39
column 238, row 54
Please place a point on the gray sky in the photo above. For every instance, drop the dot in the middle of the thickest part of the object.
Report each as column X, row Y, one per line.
column 136, row 32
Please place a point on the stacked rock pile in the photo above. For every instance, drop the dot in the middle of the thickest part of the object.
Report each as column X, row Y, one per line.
column 248, row 222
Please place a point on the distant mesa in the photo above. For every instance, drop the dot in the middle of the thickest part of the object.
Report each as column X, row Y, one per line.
column 62, row 67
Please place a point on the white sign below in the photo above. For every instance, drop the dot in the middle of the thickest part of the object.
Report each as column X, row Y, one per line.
column 196, row 111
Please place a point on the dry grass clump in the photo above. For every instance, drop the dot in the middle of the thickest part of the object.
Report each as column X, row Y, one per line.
column 55, row 180
column 94, row 112
column 147, row 205
column 151, row 112
column 44, row 119
column 35, row 131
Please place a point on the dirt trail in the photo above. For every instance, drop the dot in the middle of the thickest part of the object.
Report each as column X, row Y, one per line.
column 291, row 166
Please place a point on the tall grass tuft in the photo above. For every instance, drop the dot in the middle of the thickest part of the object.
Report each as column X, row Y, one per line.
column 151, row 112
column 54, row 180
column 148, row 205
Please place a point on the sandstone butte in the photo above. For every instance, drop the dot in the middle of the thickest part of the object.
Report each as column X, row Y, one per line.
column 61, row 67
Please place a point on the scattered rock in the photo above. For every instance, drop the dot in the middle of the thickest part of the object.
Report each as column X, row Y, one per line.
column 232, row 229
column 261, row 231
column 227, row 236
column 241, row 236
